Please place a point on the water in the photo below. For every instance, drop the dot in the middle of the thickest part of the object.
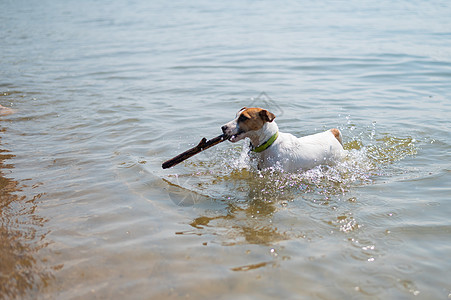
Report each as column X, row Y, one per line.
column 104, row 92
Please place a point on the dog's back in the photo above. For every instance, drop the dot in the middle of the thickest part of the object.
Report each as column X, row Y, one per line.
column 296, row 154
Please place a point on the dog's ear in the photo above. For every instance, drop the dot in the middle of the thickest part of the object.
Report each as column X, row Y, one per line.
column 267, row 116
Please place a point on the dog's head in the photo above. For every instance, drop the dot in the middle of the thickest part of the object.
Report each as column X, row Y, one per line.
column 247, row 120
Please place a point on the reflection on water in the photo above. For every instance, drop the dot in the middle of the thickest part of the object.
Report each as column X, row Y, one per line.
column 251, row 224
column 20, row 236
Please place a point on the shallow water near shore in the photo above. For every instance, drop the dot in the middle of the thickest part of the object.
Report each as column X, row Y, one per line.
column 103, row 93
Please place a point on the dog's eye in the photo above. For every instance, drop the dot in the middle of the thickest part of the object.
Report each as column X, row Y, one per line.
column 243, row 118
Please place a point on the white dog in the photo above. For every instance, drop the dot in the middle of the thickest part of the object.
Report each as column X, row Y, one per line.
column 283, row 150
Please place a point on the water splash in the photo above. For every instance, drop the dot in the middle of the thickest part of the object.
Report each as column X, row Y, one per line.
column 232, row 173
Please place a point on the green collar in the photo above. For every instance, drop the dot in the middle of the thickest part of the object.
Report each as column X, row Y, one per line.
column 266, row 144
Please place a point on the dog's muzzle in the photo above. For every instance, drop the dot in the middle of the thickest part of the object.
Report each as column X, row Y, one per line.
column 231, row 133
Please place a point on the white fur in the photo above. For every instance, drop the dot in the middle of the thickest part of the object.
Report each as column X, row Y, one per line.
column 288, row 152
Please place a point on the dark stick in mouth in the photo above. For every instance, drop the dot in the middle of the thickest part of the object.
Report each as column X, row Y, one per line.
column 203, row 144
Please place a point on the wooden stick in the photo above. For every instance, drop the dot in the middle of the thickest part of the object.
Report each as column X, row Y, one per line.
column 203, row 144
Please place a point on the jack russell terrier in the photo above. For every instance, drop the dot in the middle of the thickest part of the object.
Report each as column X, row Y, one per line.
column 283, row 150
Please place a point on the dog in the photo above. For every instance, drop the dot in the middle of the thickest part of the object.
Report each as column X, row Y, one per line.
column 283, row 150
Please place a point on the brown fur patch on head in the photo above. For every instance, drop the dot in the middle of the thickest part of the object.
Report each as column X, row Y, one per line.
column 337, row 134
column 254, row 118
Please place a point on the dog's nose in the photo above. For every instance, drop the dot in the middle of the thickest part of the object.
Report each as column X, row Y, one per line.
column 224, row 128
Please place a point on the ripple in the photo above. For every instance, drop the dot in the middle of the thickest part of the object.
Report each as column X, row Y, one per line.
column 105, row 92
